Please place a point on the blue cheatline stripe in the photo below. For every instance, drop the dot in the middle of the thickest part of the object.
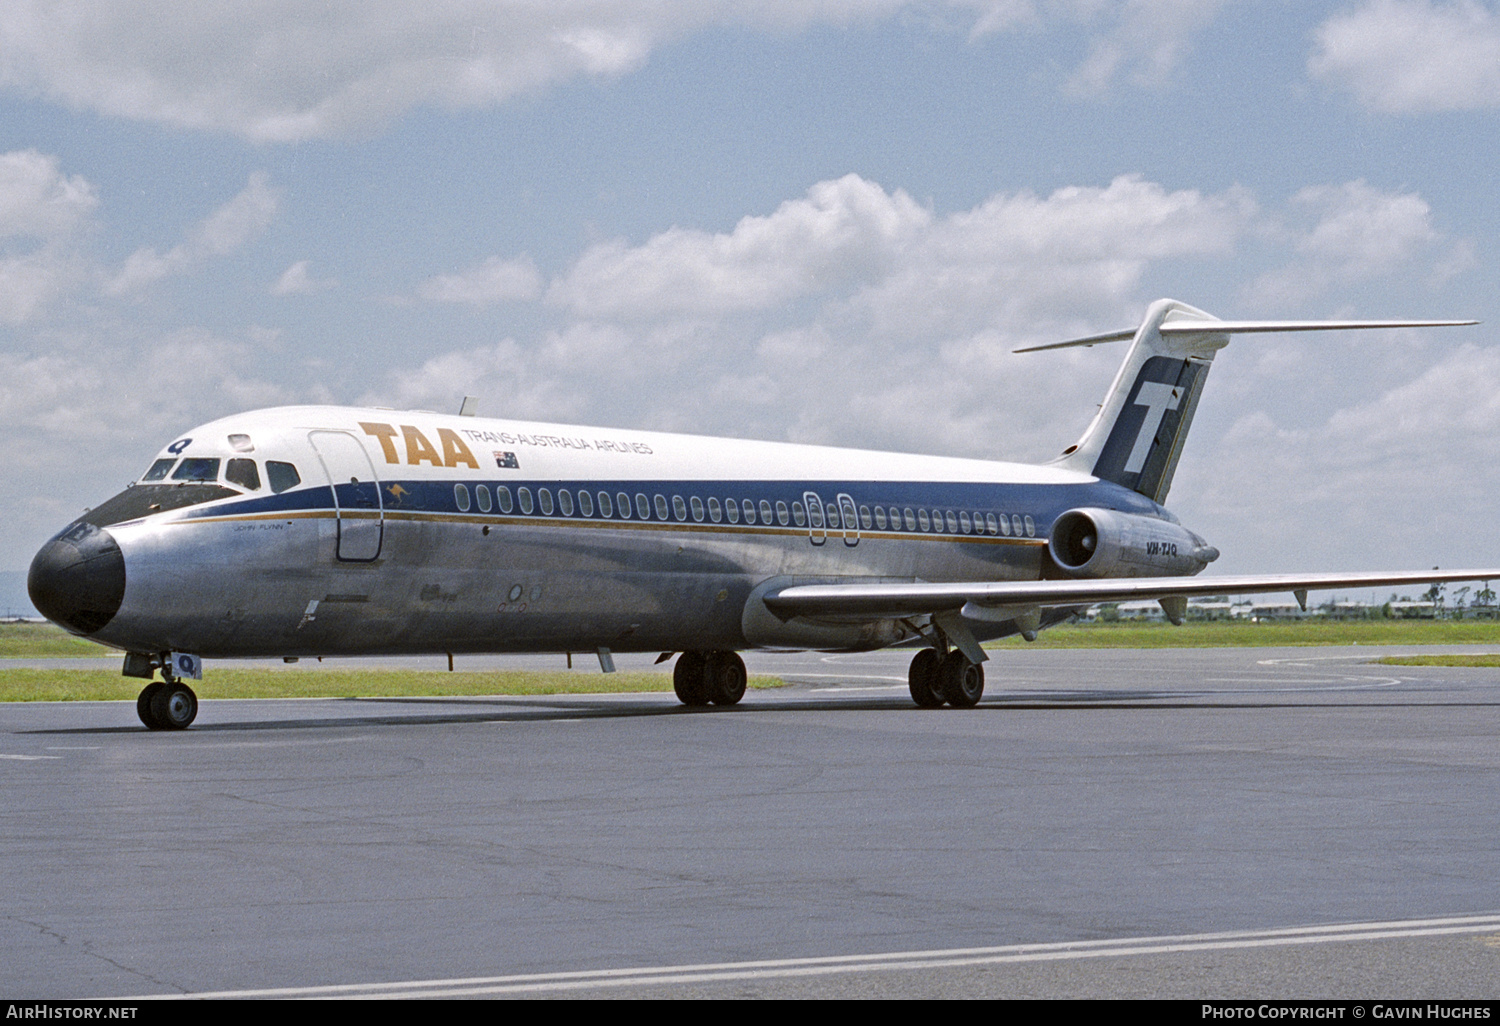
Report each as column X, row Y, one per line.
column 1041, row 503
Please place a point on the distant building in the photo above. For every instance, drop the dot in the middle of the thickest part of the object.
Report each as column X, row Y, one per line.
column 1413, row 610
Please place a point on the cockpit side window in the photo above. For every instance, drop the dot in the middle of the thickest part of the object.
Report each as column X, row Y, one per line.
column 244, row 474
column 158, row 470
column 197, row 469
column 281, row 476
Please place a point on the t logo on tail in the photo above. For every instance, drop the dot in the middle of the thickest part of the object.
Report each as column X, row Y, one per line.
column 1158, row 398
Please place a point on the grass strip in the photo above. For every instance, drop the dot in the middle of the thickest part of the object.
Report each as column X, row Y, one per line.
column 45, row 641
column 1490, row 659
column 25, row 685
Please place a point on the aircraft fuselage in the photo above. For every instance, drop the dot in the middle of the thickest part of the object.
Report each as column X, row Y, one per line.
column 415, row 532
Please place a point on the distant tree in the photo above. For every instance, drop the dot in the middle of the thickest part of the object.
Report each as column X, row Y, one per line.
column 1458, row 602
column 1484, row 599
column 1434, row 595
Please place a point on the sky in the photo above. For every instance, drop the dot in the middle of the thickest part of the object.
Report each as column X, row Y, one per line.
column 825, row 222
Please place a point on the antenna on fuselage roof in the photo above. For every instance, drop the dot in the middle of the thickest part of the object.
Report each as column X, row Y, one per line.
column 469, row 407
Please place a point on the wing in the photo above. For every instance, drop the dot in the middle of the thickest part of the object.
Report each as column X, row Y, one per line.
column 1007, row 600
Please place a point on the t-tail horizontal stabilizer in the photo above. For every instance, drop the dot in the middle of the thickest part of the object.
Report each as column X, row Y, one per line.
column 1136, row 437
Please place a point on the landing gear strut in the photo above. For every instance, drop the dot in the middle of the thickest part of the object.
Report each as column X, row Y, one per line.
column 703, row 677
column 167, row 705
column 935, row 678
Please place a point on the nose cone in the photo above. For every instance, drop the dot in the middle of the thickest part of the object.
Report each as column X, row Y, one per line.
column 78, row 579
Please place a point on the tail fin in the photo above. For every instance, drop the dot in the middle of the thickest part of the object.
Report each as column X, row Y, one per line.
column 1136, row 437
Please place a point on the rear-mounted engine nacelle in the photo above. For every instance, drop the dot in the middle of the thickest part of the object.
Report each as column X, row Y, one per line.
column 1108, row 543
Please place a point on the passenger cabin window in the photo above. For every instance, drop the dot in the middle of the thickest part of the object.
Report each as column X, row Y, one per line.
column 197, row 469
column 158, row 470
column 524, row 496
column 282, row 476
column 461, row 496
column 697, row 509
column 799, row 514
column 782, row 516
column 482, row 496
column 661, row 507
column 502, row 496
column 749, row 509
column 544, row 500
column 642, row 506
column 765, row 511
column 244, row 474
column 679, row 508
column 715, row 511
column 565, row 501
column 585, row 503
column 880, row 520
column 732, row 510
column 606, row 508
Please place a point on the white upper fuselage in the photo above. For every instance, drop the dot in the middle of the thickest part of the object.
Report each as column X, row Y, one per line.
column 416, row 531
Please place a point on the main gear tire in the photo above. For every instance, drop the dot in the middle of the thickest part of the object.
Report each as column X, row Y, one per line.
column 690, row 679
column 922, row 679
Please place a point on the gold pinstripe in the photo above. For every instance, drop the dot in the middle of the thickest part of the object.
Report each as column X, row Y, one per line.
column 618, row 525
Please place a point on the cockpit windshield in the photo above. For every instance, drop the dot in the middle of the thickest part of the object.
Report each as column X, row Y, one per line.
column 158, row 470
column 197, row 468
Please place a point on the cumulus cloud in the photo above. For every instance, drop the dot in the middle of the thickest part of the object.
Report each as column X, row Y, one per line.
column 278, row 71
column 851, row 314
column 234, row 224
column 1011, row 256
column 1405, row 56
column 840, row 231
column 1360, row 233
column 1144, row 41
column 297, row 280
column 42, row 212
column 494, row 280
column 1364, row 473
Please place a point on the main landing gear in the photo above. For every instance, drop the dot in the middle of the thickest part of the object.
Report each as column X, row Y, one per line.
column 935, row 678
column 703, row 677
column 167, row 705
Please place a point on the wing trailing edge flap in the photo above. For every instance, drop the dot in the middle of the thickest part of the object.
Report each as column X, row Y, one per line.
column 1005, row 600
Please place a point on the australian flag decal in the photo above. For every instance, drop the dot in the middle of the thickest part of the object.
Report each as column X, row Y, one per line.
column 507, row 461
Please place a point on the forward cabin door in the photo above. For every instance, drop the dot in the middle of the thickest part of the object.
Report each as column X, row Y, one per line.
column 357, row 501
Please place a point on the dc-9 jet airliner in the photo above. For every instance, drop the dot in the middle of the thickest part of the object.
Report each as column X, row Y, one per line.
column 332, row 531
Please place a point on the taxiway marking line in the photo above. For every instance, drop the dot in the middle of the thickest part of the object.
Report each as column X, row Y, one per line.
column 828, row 965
